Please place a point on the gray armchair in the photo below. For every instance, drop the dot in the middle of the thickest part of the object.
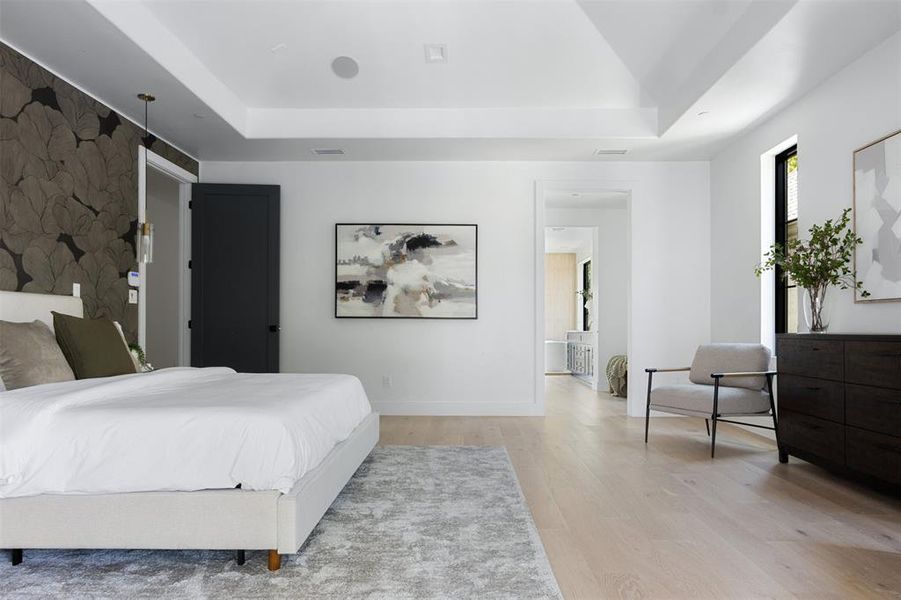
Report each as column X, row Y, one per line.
column 727, row 380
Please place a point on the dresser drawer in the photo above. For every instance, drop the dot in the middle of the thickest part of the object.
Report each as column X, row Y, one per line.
column 874, row 454
column 875, row 409
column 819, row 437
column 812, row 357
column 873, row 363
column 815, row 397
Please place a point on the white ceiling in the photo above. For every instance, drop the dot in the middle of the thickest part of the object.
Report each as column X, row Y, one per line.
column 501, row 54
column 568, row 239
column 524, row 80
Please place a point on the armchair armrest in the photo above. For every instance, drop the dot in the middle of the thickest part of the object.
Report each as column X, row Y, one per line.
column 667, row 370
column 742, row 374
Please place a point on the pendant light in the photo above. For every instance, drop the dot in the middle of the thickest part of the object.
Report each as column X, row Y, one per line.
column 145, row 230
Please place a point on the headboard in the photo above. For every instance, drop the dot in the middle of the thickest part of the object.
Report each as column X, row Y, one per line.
column 24, row 307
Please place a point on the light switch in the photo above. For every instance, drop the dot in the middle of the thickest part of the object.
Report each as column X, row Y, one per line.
column 134, row 278
column 76, row 290
column 132, row 296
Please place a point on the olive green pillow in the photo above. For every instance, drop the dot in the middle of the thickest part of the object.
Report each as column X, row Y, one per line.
column 93, row 347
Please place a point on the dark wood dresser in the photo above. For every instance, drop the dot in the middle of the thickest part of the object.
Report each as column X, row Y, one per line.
column 839, row 403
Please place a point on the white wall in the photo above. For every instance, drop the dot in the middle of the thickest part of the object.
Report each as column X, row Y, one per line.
column 487, row 366
column 164, row 273
column 610, row 270
column 856, row 106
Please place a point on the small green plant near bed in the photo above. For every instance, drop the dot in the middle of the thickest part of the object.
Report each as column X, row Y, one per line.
column 138, row 353
column 817, row 263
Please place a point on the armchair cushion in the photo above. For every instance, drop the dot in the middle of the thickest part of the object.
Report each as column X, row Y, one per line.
column 693, row 399
column 719, row 358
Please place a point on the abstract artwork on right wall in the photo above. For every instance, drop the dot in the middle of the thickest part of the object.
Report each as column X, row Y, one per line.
column 877, row 218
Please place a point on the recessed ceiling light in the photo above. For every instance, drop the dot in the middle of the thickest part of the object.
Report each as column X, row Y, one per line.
column 576, row 195
column 278, row 47
column 198, row 116
column 606, row 152
column 328, row 151
column 703, row 112
column 345, row 67
column 436, row 53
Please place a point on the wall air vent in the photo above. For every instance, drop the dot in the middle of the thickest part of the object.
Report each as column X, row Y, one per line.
column 328, row 151
column 608, row 152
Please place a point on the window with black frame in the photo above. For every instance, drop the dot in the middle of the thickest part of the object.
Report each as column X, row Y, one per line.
column 586, row 296
column 787, row 291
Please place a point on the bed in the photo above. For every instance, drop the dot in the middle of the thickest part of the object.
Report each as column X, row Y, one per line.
column 159, row 503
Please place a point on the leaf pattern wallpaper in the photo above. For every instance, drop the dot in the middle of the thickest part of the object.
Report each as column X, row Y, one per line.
column 68, row 190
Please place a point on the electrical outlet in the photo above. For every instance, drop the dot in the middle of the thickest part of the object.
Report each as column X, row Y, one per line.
column 132, row 296
column 386, row 381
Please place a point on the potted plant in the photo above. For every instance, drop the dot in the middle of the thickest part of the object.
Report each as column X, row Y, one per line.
column 816, row 264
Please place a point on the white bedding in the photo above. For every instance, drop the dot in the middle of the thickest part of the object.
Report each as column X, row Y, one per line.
column 176, row 429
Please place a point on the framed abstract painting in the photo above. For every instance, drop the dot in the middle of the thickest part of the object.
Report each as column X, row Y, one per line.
column 877, row 218
column 406, row 271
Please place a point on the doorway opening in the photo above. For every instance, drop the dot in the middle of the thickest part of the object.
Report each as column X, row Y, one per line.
column 584, row 238
column 164, row 285
column 569, row 343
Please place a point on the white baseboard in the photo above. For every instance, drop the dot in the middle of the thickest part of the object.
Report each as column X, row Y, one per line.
column 459, row 409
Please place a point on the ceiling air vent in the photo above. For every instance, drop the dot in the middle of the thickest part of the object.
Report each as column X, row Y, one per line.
column 606, row 152
column 328, row 151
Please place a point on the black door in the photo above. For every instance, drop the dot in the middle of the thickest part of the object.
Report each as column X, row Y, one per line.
column 234, row 276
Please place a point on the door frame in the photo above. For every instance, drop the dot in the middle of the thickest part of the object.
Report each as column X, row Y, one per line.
column 149, row 159
column 634, row 189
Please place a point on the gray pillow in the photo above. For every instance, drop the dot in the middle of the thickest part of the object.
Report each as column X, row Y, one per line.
column 29, row 355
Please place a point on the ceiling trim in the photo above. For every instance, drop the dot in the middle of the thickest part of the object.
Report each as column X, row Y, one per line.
column 418, row 123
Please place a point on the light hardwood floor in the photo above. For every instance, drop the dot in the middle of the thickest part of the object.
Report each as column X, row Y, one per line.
column 619, row 519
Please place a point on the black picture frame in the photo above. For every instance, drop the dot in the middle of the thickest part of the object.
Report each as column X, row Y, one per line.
column 369, row 224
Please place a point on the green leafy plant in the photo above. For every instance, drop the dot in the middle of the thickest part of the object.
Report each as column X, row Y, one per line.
column 139, row 353
column 819, row 262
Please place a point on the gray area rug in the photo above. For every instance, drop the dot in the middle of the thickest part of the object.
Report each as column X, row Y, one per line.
column 414, row 522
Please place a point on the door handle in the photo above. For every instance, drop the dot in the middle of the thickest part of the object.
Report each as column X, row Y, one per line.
column 274, row 328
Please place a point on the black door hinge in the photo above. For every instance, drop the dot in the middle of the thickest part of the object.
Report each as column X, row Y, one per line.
column 190, row 264
column 190, row 204
column 189, row 323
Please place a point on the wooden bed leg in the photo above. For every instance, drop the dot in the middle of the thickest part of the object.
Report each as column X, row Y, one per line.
column 239, row 557
column 17, row 556
column 275, row 560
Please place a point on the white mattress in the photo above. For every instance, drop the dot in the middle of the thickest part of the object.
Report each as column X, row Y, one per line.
column 179, row 429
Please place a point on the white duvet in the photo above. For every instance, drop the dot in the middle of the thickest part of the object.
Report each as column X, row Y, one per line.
column 173, row 429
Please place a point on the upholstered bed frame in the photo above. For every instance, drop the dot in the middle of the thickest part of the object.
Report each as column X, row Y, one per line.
column 233, row 519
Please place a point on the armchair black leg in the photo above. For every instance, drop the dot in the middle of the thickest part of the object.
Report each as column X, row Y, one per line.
column 17, row 556
column 716, row 410
column 239, row 557
column 707, row 425
column 647, row 410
